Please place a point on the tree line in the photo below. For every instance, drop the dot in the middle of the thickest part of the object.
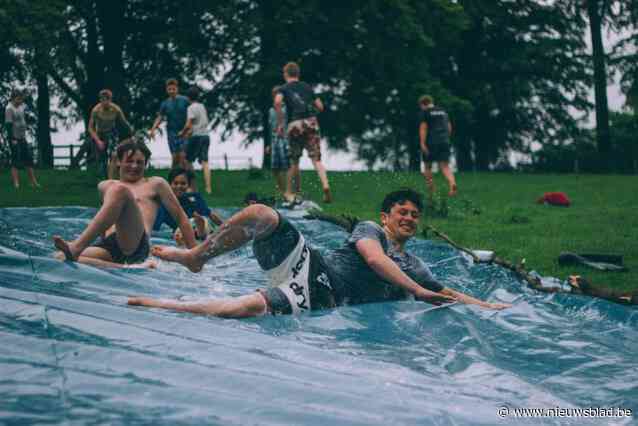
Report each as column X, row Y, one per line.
column 511, row 73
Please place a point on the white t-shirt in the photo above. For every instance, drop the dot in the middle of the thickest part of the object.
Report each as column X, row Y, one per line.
column 197, row 113
column 15, row 115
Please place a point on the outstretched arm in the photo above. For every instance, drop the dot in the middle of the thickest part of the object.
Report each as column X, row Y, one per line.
column 251, row 305
column 374, row 256
column 469, row 300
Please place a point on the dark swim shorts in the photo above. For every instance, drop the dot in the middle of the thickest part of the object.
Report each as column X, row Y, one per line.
column 440, row 152
column 138, row 256
column 20, row 154
column 298, row 274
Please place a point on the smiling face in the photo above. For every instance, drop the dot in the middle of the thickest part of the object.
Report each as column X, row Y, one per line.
column 132, row 165
column 402, row 221
column 171, row 90
column 179, row 185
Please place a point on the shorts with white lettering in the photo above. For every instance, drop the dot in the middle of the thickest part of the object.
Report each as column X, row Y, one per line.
column 299, row 280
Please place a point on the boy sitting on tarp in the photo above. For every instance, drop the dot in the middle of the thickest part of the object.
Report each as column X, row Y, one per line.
column 193, row 204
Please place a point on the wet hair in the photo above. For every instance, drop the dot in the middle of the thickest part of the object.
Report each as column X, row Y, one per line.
column 193, row 93
column 426, row 100
column 172, row 82
column 130, row 147
column 106, row 93
column 292, row 69
column 275, row 90
column 400, row 197
column 177, row 171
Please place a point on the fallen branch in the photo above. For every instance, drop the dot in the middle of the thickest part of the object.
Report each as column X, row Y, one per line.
column 578, row 284
column 347, row 222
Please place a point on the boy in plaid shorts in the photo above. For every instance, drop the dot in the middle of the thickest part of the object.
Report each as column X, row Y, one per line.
column 302, row 106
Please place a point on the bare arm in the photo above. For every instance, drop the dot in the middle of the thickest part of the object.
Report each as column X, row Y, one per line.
column 423, row 133
column 173, row 207
column 188, row 127
column 93, row 131
column 250, row 305
column 384, row 267
column 124, row 120
column 469, row 300
column 319, row 105
column 156, row 124
column 279, row 99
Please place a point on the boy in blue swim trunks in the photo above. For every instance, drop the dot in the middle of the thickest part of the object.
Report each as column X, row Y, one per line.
column 193, row 204
column 372, row 265
column 174, row 110
column 125, row 220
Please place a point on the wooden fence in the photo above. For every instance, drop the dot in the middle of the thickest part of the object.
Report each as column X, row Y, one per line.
column 63, row 160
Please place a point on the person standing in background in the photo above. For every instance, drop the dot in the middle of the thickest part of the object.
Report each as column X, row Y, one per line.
column 103, row 128
column 16, row 131
column 195, row 132
column 435, row 130
column 279, row 151
column 173, row 109
column 302, row 106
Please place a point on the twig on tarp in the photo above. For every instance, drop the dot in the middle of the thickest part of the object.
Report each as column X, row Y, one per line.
column 347, row 222
column 450, row 242
column 578, row 284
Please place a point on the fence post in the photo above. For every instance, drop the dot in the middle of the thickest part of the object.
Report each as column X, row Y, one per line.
column 71, row 156
column 576, row 169
column 250, row 162
column 226, row 161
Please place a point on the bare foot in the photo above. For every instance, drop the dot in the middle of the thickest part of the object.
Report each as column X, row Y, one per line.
column 66, row 248
column 209, row 191
column 452, row 190
column 191, row 258
column 35, row 185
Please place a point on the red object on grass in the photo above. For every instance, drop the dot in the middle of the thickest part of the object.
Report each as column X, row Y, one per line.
column 555, row 199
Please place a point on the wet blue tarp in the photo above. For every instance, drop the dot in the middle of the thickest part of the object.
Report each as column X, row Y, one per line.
column 72, row 352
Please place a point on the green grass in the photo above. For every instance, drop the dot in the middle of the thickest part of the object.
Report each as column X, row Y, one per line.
column 493, row 211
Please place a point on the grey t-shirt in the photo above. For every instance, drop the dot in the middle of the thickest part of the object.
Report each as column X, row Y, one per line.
column 15, row 116
column 355, row 282
column 197, row 113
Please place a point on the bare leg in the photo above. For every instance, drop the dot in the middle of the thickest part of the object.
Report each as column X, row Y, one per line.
column 239, row 307
column 429, row 181
column 207, row 180
column 449, row 175
column 280, row 182
column 119, row 208
column 175, row 159
column 323, row 177
column 32, row 178
column 294, row 178
column 289, row 195
column 182, row 160
column 112, row 167
column 254, row 222
column 15, row 176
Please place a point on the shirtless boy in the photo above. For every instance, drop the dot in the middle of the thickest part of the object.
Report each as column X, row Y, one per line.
column 127, row 215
